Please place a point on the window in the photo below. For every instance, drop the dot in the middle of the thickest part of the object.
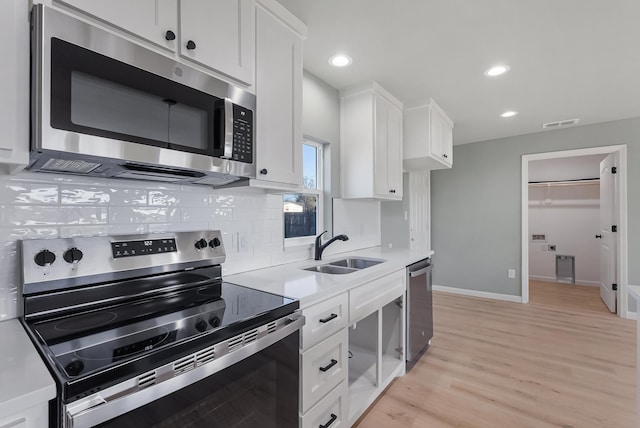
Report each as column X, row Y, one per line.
column 302, row 211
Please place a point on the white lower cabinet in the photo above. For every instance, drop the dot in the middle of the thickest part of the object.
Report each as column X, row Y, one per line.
column 330, row 412
column 352, row 347
column 32, row 417
column 376, row 340
column 323, row 367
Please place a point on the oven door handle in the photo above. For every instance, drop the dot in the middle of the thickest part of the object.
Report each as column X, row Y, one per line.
column 128, row 395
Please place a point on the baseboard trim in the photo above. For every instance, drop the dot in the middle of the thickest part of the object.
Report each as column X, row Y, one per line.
column 549, row 279
column 475, row 293
column 632, row 315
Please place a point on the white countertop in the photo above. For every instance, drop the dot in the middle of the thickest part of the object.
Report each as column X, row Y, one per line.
column 24, row 379
column 311, row 287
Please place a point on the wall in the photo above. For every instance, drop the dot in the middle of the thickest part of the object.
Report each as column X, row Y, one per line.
column 569, row 216
column 476, row 205
column 321, row 122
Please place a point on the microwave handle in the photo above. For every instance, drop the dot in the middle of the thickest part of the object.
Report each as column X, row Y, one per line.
column 228, row 129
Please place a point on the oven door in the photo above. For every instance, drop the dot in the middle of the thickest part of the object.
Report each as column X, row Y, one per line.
column 259, row 389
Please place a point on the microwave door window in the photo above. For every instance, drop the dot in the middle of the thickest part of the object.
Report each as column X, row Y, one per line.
column 105, row 105
column 188, row 127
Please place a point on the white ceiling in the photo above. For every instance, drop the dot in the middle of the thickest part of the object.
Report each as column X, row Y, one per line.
column 569, row 58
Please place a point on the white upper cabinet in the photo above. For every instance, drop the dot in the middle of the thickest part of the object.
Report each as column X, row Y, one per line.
column 428, row 137
column 278, row 88
column 153, row 20
column 219, row 34
column 370, row 143
column 14, row 86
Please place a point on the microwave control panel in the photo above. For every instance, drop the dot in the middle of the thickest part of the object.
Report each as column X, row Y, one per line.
column 242, row 134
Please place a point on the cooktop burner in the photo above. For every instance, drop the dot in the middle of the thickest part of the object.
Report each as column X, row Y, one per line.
column 80, row 322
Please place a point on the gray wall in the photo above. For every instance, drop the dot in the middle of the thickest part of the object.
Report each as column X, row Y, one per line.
column 476, row 205
column 321, row 122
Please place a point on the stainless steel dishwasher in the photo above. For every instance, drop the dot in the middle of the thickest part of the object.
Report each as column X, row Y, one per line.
column 419, row 310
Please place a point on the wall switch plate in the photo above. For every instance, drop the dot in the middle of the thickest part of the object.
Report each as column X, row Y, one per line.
column 511, row 273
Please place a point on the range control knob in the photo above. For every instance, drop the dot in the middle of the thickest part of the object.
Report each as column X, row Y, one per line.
column 72, row 255
column 74, row 368
column 201, row 326
column 44, row 258
column 214, row 322
column 201, row 243
column 215, row 242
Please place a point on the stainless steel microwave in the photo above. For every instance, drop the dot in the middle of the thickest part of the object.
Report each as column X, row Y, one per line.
column 105, row 106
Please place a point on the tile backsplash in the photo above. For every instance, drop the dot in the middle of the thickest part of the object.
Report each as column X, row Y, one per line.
column 37, row 205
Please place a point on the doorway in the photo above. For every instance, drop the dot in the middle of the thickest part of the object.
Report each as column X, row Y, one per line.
column 620, row 265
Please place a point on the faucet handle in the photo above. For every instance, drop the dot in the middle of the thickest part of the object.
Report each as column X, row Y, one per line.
column 320, row 236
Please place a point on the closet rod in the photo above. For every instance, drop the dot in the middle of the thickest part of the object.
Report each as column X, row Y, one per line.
column 564, row 183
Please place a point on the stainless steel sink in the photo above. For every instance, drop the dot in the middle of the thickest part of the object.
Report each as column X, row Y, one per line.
column 334, row 270
column 356, row 263
column 344, row 266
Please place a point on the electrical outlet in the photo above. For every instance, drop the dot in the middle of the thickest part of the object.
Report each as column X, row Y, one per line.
column 511, row 273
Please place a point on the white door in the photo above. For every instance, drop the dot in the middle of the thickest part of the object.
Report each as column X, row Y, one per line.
column 608, row 220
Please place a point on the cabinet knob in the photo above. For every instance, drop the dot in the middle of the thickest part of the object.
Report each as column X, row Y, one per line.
column 170, row 35
column 191, row 45
column 264, row 171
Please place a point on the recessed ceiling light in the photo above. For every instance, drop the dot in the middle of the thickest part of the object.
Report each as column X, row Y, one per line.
column 509, row 113
column 497, row 70
column 340, row 60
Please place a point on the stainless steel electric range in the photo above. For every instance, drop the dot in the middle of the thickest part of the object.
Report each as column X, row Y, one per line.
column 142, row 331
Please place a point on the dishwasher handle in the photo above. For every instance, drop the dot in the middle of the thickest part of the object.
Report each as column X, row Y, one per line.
column 419, row 272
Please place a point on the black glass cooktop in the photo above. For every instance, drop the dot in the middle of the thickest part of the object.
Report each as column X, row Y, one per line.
column 92, row 341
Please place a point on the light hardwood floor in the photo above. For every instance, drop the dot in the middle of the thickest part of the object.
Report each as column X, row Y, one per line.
column 560, row 361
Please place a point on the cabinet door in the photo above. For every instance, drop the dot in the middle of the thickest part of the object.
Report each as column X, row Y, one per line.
column 394, row 151
column 149, row 19
column 219, row 34
column 381, row 144
column 14, row 85
column 440, row 136
column 278, row 100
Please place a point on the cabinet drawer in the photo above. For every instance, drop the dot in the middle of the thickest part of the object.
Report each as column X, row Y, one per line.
column 330, row 412
column 323, row 367
column 324, row 319
column 367, row 298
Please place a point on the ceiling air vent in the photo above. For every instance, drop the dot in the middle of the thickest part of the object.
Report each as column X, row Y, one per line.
column 560, row 123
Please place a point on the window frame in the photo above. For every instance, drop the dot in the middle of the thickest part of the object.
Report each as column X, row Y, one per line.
column 318, row 192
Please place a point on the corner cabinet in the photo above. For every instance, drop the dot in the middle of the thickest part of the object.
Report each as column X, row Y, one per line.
column 370, row 143
column 428, row 137
column 14, row 103
column 217, row 34
column 278, row 87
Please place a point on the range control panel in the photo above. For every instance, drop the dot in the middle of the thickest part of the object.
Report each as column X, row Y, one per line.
column 45, row 260
column 143, row 247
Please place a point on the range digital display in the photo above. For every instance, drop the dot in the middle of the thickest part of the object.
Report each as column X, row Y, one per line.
column 143, row 248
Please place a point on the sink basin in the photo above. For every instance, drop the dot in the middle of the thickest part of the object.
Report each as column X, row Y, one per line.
column 334, row 270
column 356, row 263
column 344, row 266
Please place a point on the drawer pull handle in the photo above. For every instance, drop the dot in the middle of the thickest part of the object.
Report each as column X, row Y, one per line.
column 328, row 366
column 329, row 318
column 332, row 420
